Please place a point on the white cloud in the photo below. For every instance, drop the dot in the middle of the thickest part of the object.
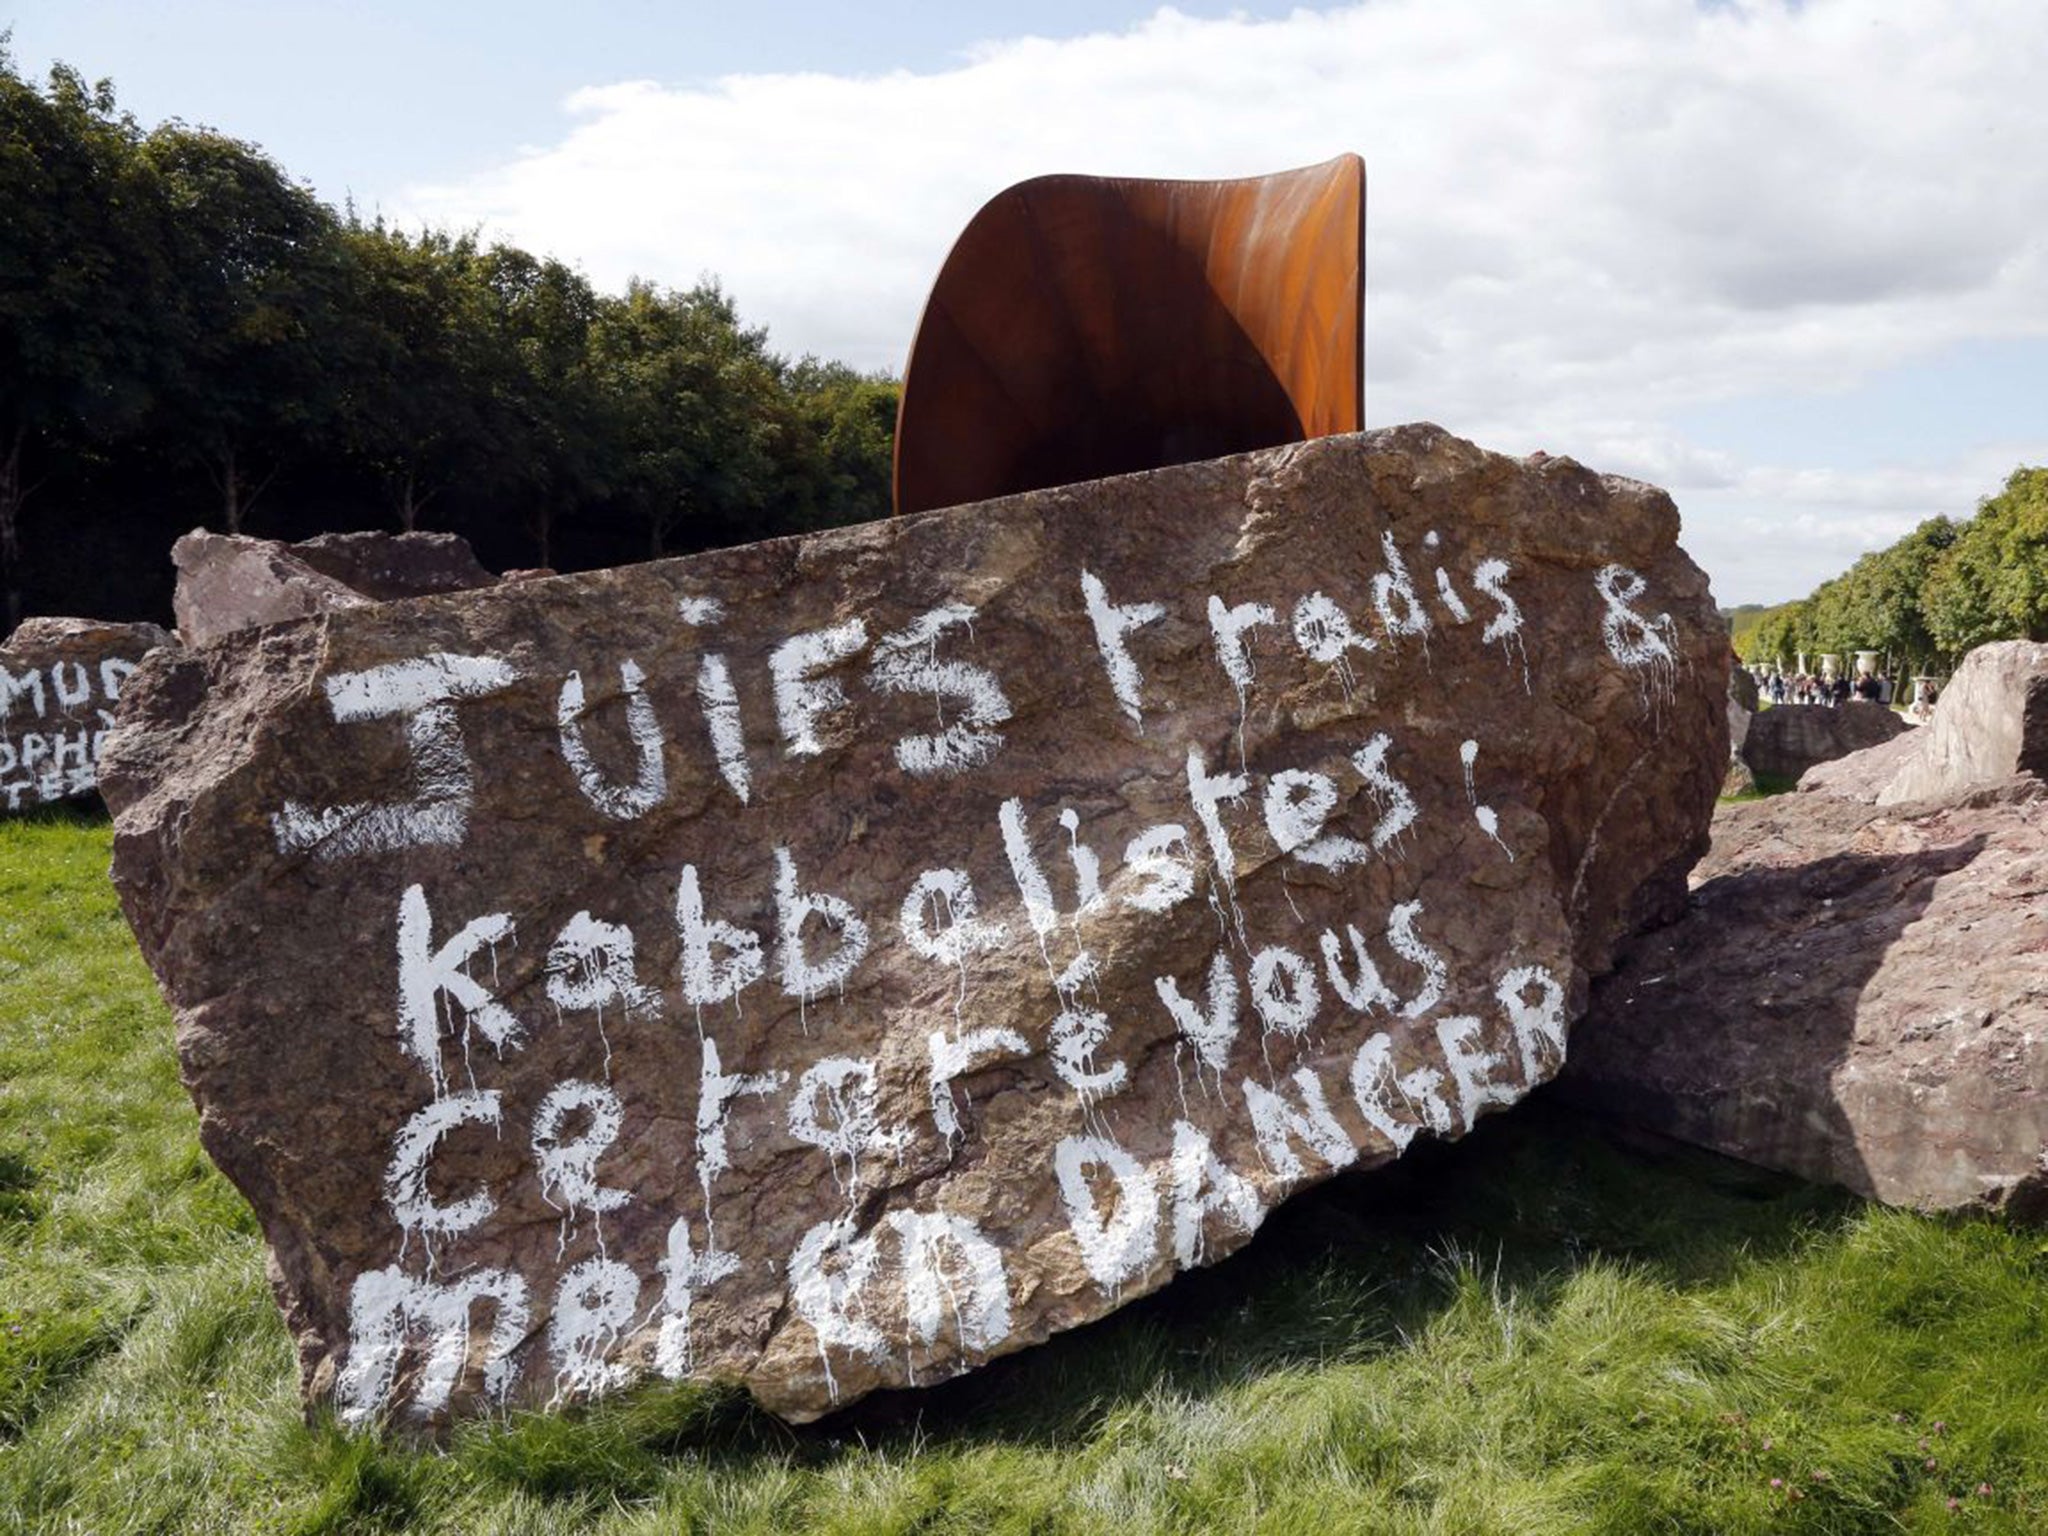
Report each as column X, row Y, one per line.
column 1583, row 216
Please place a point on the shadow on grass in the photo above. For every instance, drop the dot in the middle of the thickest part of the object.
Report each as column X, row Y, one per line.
column 65, row 813
column 1343, row 1272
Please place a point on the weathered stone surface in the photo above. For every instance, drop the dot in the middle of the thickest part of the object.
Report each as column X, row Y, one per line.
column 1991, row 722
column 1787, row 739
column 392, row 566
column 1857, row 994
column 1742, row 690
column 228, row 582
column 59, row 681
column 1863, row 775
column 830, row 963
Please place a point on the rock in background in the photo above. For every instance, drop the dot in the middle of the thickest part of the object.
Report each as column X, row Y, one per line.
column 228, row 582
column 831, row 963
column 59, row 682
column 1782, row 742
column 1859, row 992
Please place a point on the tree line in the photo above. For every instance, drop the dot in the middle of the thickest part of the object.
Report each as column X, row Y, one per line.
column 190, row 337
column 1940, row 591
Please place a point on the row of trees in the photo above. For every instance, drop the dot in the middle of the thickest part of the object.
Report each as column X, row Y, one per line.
column 1942, row 589
column 187, row 336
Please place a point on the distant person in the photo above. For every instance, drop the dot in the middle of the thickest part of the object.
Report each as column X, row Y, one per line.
column 1841, row 692
column 1884, row 689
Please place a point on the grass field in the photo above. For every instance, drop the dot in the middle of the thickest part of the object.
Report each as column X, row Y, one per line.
column 1542, row 1329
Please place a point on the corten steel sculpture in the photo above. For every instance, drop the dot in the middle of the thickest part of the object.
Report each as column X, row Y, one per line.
column 1085, row 326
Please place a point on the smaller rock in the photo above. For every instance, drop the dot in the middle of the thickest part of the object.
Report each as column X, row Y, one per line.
column 1853, row 996
column 1740, row 780
column 1991, row 722
column 392, row 566
column 1863, row 775
column 59, row 681
column 227, row 582
column 1787, row 739
column 1742, row 689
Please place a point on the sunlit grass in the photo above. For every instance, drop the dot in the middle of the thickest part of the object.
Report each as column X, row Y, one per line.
column 1541, row 1330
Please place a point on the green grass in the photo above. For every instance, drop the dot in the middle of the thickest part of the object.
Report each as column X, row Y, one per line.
column 1542, row 1329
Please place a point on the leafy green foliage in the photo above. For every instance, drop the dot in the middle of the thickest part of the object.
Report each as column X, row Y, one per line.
column 1943, row 589
column 1993, row 583
column 187, row 335
column 1542, row 1329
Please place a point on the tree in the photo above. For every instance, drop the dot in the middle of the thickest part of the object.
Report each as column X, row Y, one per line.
column 255, row 267
column 1992, row 583
column 76, row 344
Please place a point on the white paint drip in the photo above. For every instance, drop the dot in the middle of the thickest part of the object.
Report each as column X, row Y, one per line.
column 907, row 662
column 594, row 1306
column 800, row 696
column 802, row 977
column 1397, row 806
column 1112, row 623
column 685, row 1275
column 1372, row 1090
column 721, row 705
column 1539, row 1026
column 1408, row 945
column 423, row 691
column 390, row 1313
column 830, row 1299
column 1212, row 1032
column 1632, row 640
column 1297, row 804
column 936, row 1246
column 1391, row 588
column 1208, row 792
column 1485, row 815
column 1284, row 991
column 568, row 1167
column 1471, row 1069
column 1119, row 1246
column 716, row 1092
column 1170, row 880
column 705, row 978
column 650, row 782
column 591, row 965
column 846, row 1087
column 949, row 893
column 425, row 974
column 954, row 1058
column 1368, row 992
column 700, row 612
column 405, row 1180
column 1204, row 1186
column 1031, row 881
column 1279, row 1124
column 1087, row 867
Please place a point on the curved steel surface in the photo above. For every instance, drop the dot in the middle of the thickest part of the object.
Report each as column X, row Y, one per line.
column 1085, row 326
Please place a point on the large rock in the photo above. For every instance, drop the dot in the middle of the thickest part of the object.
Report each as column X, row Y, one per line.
column 830, row 963
column 1990, row 722
column 1787, row 739
column 228, row 582
column 1857, row 994
column 59, row 682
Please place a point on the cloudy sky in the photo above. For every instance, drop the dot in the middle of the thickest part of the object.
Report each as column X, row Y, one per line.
column 1788, row 260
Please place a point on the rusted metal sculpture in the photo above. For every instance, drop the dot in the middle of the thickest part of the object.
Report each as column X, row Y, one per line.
column 1085, row 326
